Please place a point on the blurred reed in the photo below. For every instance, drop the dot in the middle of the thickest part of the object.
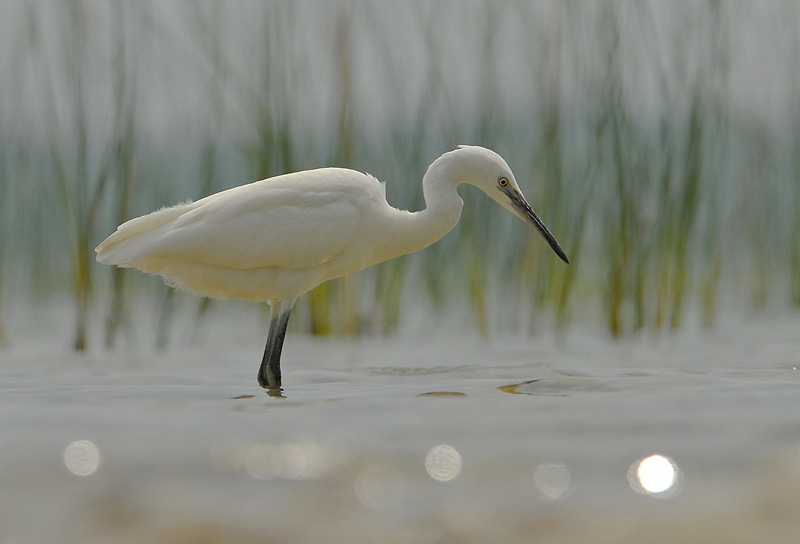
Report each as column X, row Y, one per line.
column 625, row 123
column 4, row 180
column 80, row 165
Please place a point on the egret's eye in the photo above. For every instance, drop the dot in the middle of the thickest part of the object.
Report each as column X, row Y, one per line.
column 503, row 182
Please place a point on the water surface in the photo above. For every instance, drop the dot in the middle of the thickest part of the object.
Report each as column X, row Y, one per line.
column 439, row 439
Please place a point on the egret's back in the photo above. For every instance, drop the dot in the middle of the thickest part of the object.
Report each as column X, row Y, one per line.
column 265, row 240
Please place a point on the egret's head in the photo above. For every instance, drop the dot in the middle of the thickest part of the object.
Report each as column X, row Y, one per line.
column 489, row 172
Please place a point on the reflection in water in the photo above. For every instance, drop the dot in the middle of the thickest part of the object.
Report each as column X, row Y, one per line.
column 443, row 463
column 656, row 475
column 380, row 486
column 294, row 460
column 513, row 388
column 82, row 458
column 569, row 385
column 275, row 392
column 552, row 480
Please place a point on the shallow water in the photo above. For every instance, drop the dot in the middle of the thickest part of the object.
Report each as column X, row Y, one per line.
column 542, row 440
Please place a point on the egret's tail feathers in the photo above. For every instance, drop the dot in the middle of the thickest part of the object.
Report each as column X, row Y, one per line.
column 131, row 242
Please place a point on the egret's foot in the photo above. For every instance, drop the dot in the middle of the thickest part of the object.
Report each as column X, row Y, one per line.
column 275, row 392
column 268, row 380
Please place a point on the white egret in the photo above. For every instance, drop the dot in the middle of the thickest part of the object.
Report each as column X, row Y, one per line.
column 275, row 239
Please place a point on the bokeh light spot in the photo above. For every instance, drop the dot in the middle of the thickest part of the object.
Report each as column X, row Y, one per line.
column 82, row 458
column 443, row 463
column 552, row 480
column 655, row 475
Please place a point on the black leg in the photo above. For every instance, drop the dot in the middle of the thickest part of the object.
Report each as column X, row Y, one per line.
column 269, row 374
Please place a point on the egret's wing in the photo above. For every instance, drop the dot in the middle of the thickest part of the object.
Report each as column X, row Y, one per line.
column 296, row 221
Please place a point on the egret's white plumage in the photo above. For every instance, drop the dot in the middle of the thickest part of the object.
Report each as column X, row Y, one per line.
column 278, row 238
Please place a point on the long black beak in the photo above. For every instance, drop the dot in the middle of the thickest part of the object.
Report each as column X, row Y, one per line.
column 521, row 207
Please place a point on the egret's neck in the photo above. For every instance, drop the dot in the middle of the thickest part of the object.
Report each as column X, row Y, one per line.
column 442, row 208
column 440, row 194
column 407, row 232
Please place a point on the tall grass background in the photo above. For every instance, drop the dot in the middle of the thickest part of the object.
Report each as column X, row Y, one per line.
column 658, row 140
